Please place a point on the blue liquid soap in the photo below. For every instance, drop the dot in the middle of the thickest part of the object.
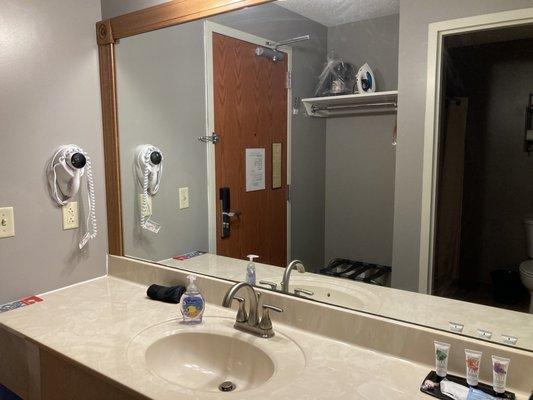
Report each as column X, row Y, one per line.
column 192, row 303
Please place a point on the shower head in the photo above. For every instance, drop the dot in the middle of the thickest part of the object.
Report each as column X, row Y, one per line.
column 273, row 55
column 272, row 51
column 297, row 39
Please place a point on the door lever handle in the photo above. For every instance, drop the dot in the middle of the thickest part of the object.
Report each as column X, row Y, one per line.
column 232, row 214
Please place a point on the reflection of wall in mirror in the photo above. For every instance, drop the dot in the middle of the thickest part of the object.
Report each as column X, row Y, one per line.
column 184, row 112
column 161, row 101
column 360, row 157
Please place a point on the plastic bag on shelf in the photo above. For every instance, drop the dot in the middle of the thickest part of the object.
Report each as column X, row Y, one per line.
column 338, row 77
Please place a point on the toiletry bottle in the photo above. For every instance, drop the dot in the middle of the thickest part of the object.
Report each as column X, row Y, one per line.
column 500, row 367
column 473, row 361
column 192, row 303
column 250, row 270
column 442, row 351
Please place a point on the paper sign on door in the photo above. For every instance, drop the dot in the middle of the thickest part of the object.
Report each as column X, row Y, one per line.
column 276, row 165
column 255, row 169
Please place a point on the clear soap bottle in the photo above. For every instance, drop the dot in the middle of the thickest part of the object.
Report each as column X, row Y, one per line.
column 250, row 270
column 192, row 303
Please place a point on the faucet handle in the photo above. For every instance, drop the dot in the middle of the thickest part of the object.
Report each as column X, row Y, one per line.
column 266, row 322
column 299, row 292
column 273, row 285
column 241, row 314
column 267, row 307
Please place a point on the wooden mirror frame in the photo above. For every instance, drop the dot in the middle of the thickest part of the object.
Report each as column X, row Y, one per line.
column 108, row 32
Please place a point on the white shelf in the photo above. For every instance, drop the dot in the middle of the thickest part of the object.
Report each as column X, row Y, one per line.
column 366, row 103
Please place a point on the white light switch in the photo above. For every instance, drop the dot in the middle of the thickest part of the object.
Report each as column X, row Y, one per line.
column 184, row 197
column 7, row 222
column 70, row 216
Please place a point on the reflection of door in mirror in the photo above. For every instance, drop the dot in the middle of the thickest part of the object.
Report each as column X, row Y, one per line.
column 250, row 104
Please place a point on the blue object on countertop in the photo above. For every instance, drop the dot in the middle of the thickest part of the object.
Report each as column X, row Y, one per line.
column 6, row 394
column 476, row 394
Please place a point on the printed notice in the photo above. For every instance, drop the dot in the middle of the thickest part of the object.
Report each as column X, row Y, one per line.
column 276, row 165
column 255, row 169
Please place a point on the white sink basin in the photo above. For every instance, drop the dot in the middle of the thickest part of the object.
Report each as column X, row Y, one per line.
column 199, row 358
column 202, row 361
column 335, row 291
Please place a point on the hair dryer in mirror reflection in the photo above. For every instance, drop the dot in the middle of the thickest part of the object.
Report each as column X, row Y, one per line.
column 148, row 169
column 65, row 171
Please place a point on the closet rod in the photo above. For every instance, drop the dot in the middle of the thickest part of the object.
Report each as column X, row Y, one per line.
column 316, row 108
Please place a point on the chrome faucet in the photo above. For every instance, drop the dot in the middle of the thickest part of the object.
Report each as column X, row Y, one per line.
column 249, row 321
column 287, row 274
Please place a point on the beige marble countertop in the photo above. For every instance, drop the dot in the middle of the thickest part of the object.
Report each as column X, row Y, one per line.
column 432, row 311
column 93, row 322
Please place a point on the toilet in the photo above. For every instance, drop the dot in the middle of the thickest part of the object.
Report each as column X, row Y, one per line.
column 526, row 267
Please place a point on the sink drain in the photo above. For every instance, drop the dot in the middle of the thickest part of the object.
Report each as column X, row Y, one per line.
column 227, row 386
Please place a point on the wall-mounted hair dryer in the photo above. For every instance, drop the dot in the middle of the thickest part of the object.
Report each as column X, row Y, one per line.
column 148, row 169
column 65, row 171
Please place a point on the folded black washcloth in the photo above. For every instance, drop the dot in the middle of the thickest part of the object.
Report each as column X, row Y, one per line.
column 168, row 294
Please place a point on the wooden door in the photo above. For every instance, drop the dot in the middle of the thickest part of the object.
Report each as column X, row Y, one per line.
column 250, row 105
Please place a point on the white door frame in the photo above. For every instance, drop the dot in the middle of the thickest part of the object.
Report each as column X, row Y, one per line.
column 212, row 198
column 436, row 33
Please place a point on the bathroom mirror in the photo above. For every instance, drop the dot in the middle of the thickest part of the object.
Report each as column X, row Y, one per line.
column 272, row 131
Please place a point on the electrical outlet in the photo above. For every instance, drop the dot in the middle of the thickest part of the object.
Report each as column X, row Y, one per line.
column 70, row 215
column 184, row 197
column 7, row 222
column 145, row 212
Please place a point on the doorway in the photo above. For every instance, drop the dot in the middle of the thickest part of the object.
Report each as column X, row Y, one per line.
column 248, row 95
column 437, row 33
column 484, row 187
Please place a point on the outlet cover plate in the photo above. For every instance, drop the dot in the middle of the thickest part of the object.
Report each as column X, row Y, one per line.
column 7, row 222
column 184, row 197
column 70, row 216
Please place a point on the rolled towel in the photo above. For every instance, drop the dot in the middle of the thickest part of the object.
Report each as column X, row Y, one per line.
column 168, row 294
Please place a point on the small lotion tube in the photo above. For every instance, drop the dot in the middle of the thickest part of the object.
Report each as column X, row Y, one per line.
column 500, row 367
column 473, row 361
column 442, row 351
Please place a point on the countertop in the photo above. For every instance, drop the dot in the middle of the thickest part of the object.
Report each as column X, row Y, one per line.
column 93, row 323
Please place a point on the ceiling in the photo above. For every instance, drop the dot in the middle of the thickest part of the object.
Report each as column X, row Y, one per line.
column 338, row 12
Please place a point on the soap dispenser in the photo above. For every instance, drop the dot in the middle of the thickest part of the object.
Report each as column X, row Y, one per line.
column 250, row 270
column 192, row 303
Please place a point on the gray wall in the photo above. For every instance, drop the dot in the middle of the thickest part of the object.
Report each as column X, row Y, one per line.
column 415, row 15
column 360, row 158
column 374, row 41
column 50, row 96
column 161, row 101
column 113, row 8
column 182, row 100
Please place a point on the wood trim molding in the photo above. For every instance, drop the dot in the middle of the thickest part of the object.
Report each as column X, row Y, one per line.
column 104, row 33
column 108, row 93
column 107, row 34
column 172, row 13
